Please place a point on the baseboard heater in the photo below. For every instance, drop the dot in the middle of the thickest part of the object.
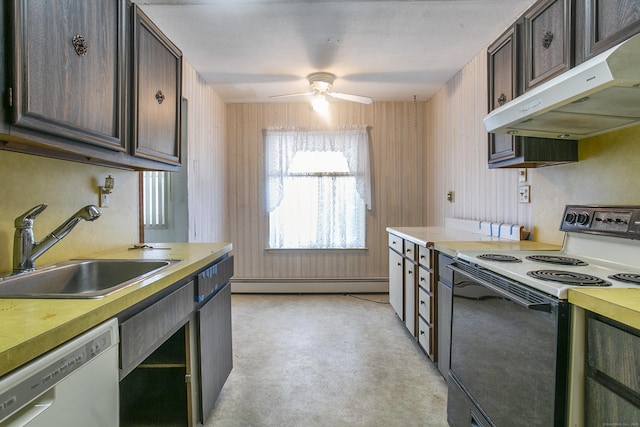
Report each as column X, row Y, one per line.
column 310, row 285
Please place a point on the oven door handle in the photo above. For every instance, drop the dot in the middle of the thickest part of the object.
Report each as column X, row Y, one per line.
column 521, row 301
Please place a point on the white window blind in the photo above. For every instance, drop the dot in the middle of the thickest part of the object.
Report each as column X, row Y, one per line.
column 156, row 199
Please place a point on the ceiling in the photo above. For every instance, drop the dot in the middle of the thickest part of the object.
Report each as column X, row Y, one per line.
column 249, row 50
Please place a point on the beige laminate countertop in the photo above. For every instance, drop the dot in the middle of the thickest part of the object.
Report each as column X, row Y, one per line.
column 32, row 327
column 619, row 304
column 450, row 241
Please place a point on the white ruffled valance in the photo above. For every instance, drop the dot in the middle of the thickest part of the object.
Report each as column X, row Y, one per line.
column 282, row 145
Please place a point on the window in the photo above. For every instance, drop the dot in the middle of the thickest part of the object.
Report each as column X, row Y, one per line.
column 318, row 188
column 156, row 199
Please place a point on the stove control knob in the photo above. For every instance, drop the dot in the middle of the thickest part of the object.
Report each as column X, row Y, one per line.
column 570, row 217
column 583, row 218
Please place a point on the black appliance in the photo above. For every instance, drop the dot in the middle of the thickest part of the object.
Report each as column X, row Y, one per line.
column 511, row 318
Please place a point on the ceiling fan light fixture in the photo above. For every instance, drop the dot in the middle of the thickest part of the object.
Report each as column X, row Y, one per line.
column 320, row 104
column 321, row 82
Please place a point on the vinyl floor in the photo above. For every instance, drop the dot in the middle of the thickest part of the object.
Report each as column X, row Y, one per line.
column 326, row 360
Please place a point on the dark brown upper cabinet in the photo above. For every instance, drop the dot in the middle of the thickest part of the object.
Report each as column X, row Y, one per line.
column 547, row 41
column 66, row 81
column 67, row 78
column 505, row 83
column 157, row 81
column 504, row 80
column 602, row 24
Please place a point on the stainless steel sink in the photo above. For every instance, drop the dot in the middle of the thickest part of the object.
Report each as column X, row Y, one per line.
column 93, row 278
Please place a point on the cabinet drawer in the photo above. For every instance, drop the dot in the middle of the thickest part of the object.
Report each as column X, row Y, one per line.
column 424, row 256
column 424, row 304
column 614, row 352
column 424, row 335
column 213, row 278
column 424, row 279
column 395, row 243
column 409, row 250
column 146, row 331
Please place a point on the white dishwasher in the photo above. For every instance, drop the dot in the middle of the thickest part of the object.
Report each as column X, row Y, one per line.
column 75, row 384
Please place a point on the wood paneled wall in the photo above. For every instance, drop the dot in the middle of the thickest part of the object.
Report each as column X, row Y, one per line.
column 457, row 153
column 399, row 188
column 206, row 160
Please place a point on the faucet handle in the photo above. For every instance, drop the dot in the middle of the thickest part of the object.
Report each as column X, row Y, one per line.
column 26, row 219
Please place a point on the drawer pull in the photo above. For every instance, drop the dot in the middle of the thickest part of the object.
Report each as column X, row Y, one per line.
column 160, row 97
column 80, row 45
column 422, row 279
column 421, row 332
column 547, row 38
column 421, row 302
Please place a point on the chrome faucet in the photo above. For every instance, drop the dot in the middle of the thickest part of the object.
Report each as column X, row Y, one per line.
column 25, row 248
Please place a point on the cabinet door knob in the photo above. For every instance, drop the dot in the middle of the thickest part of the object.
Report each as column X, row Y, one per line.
column 547, row 38
column 80, row 45
column 159, row 97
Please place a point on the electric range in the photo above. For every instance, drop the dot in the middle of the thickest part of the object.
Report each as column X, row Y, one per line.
column 508, row 318
column 601, row 248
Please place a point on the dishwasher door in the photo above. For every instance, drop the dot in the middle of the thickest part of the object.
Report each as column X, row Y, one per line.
column 76, row 384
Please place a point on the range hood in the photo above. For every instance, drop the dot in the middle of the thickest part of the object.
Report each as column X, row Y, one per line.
column 595, row 97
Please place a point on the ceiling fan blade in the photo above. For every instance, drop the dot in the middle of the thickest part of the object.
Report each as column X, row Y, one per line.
column 349, row 97
column 292, row 94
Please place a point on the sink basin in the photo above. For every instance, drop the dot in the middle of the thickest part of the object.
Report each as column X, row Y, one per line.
column 93, row 278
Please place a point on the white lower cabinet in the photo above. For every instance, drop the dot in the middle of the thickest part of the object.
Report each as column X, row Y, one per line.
column 411, row 289
column 396, row 282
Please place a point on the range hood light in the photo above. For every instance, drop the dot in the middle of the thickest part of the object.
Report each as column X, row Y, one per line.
column 597, row 96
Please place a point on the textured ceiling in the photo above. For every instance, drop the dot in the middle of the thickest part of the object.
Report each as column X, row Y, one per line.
column 249, row 50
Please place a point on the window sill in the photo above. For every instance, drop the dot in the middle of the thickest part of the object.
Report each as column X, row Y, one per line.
column 316, row 249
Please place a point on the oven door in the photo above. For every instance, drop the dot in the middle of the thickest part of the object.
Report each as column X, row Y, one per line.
column 508, row 352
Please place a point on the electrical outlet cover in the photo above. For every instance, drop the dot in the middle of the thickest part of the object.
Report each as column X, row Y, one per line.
column 524, row 195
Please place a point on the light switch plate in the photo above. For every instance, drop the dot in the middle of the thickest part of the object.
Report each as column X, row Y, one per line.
column 522, row 175
column 104, row 200
column 524, row 195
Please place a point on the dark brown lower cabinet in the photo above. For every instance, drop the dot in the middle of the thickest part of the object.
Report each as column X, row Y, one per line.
column 215, row 353
column 156, row 392
column 612, row 385
column 175, row 350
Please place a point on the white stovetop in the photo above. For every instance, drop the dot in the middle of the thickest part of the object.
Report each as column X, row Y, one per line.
column 598, row 252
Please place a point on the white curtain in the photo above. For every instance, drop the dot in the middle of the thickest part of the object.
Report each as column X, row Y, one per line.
column 282, row 145
column 322, row 204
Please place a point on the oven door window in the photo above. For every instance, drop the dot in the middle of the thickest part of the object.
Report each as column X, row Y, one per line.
column 504, row 355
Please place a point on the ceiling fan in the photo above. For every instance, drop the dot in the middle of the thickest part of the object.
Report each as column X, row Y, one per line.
column 321, row 85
